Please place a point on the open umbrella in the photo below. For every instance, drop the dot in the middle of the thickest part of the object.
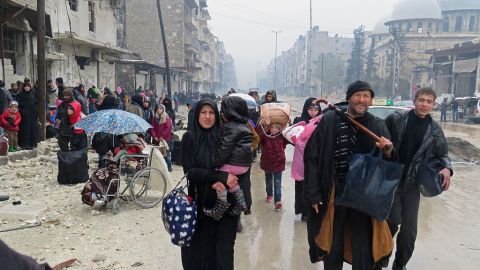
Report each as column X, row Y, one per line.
column 114, row 122
column 251, row 103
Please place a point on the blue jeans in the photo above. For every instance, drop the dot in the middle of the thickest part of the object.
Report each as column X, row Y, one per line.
column 443, row 116
column 273, row 180
column 169, row 154
column 455, row 115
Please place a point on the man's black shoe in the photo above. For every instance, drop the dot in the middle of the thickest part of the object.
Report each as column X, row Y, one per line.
column 4, row 197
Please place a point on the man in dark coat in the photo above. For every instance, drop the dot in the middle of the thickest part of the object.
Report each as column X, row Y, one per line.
column 414, row 134
column 326, row 165
column 3, row 97
column 60, row 87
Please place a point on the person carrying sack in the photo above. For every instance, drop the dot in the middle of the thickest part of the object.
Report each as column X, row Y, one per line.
column 326, row 158
column 418, row 139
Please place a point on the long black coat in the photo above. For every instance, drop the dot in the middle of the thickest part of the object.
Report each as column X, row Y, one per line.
column 320, row 170
column 27, row 103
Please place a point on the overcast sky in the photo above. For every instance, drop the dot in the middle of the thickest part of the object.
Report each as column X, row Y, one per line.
column 246, row 26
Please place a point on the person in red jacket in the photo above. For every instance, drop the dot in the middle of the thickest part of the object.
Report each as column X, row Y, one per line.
column 69, row 113
column 272, row 161
column 10, row 121
column 162, row 129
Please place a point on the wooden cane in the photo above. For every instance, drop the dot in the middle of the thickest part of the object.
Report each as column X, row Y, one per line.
column 350, row 119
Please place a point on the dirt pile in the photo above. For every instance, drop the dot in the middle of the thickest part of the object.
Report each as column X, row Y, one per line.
column 463, row 149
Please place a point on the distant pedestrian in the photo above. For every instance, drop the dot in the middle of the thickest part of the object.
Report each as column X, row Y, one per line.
column 60, row 87
column 414, row 134
column 68, row 114
column 27, row 103
column 455, row 110
column 167, row 102
column 162, row 128
column 81, row 96
column 10, row 121
column 443, row 110
column 51, row 93
column 136, row 107
column 3, row 97
column 272, row 161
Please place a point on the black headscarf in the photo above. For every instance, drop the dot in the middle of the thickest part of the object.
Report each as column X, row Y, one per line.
column 235, row 109
column 308, row 103
column 138, row 100
column 204, row 141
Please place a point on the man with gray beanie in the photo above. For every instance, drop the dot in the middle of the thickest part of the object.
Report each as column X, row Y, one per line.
column 326, row 158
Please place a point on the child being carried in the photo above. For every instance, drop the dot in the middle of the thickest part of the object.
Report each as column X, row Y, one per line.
column 233, row 154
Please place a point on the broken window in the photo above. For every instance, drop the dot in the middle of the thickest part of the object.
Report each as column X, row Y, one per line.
column 82, row 61
column 9, row 47
column 446, row 25
column 420, row 27
column 73, row 4
column 471, row 25
column 458, row 24
column 91, row 16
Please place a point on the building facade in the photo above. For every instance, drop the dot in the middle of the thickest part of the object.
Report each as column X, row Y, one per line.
column 414, row 29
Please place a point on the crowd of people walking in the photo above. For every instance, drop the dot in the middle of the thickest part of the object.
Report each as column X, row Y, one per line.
column 219, row 149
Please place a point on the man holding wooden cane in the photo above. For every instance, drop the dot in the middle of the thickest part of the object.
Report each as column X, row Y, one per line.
column 336, row 233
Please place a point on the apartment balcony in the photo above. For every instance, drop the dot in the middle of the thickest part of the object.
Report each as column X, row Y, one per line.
column 191, row 23
column 191, row 45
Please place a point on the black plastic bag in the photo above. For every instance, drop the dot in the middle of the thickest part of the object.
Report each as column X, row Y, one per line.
column 370, row 185
column 72, row 167
column 428, row 179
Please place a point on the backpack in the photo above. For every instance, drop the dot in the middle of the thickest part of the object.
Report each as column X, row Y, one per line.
column 179, row 214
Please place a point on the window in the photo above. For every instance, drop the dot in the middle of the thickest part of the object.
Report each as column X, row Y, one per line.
column 91, row 16
column 409, row 27
column 446, row 25
column 420, row 27
column 73, row 4
column 471, row 24
column 458, row 24
column 430, row 27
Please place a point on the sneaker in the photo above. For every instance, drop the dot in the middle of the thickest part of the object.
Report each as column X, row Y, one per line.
column 278, row 206
column 269, row 199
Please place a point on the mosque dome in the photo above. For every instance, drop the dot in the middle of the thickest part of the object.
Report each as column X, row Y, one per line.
column 380, row 27
column 417, row 9
column 459, row 4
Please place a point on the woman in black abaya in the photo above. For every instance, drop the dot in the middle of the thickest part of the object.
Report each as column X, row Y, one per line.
column 213, row 241
column 27, row 103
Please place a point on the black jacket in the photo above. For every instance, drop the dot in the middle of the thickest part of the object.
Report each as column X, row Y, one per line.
column 320, row 169
column 434, row 139
column 234, row 145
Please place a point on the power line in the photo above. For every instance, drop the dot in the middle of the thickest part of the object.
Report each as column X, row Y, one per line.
column 257, row 13
column 258, row 22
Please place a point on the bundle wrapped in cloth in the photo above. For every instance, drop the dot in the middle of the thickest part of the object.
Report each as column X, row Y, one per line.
column 278, row 113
